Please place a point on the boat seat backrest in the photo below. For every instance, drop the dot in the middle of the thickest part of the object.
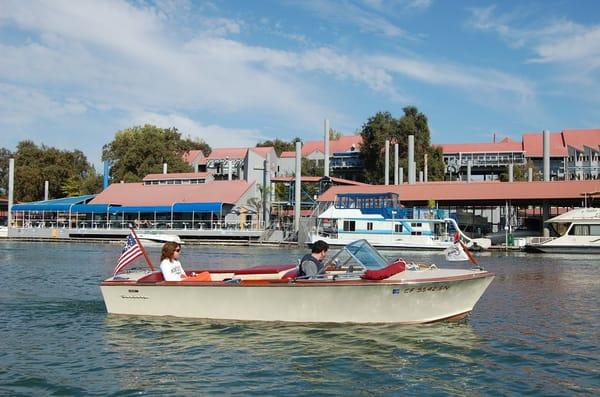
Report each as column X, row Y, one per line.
column 155, row 277
column 290, row 274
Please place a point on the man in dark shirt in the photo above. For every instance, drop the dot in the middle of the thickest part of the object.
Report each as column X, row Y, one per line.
column 312, row 264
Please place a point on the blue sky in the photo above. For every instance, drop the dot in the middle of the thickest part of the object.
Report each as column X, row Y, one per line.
column 72, row 73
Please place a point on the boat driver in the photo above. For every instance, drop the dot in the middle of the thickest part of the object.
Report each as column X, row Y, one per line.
column 311, row 264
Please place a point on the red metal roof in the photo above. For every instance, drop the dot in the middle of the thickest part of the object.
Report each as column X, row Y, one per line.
column 463, row 191
column 139, row 194
column 343, row 144
column 533, row 143
column 176, row 175
column 263, row 150
column 315, row 179
column 193, row 155
column 580, row 138
column 505, row 145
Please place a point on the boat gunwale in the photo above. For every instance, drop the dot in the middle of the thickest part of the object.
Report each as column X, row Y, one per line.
column 300, row 283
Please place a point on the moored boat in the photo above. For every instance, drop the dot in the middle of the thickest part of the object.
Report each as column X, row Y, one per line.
column 381, row 220
column 361, row 286
column 579, row 231
column 158, row 239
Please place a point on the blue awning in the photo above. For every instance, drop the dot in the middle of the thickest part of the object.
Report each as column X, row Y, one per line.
column 75, row 205
column 197, row 207
column 62, row 204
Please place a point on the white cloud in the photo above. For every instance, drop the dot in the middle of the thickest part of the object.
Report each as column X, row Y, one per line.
column 475, row 80
column 558, row 41
column 367, row 17
column 118, row 58
column 214, row 135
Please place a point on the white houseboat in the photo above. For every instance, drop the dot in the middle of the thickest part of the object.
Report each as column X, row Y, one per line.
column 579, row 232
column 381, row 220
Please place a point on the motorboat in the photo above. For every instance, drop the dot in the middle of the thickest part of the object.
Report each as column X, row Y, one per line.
column 158, row 239
column 359, row 286
column 380, row 219
column 578, row 230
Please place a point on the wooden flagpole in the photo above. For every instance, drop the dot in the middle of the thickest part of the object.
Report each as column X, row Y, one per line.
column 141, row 247
column 469, row 254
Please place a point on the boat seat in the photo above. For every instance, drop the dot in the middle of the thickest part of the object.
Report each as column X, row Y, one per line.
column 155, row 277
column 291, row 274
column 268, row 269
column 388, row 271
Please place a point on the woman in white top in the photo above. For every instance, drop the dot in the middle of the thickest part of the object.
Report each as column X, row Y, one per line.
column 169, row 262
column 172, row 269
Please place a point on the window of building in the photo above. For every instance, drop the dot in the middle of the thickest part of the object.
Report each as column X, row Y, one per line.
column 349, row 226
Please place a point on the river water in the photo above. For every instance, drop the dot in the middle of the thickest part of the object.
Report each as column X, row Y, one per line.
column 535, row 331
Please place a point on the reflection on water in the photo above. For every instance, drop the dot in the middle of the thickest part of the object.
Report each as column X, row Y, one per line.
column 535, row 331
column 238, row 354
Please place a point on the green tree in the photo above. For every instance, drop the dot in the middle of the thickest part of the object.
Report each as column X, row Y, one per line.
column 521, row 172
column 34, row 165
column 311, row 168
column 384, row 126
column 5, row 155
column 279, row 145
column 138, row 151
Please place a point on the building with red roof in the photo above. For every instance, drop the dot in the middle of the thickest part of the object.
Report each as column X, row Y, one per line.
column 234, row 163
column 344, row 156
column 573, row 155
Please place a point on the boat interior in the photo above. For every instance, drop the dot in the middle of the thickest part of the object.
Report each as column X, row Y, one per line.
column 358, row 261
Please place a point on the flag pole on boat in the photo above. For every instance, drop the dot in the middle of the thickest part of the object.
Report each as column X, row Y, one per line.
column 141, row 247
column 469, row 254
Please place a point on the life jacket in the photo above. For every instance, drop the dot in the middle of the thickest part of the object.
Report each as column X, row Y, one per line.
column 308, row 258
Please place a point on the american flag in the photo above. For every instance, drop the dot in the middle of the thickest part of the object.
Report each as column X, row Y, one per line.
column 130, row 253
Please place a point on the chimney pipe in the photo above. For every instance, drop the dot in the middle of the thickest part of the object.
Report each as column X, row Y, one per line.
column 396, row 164
column 387, row 161
column 326, row 155
column 164, row 168
column 11, row 188
column 46, row 188
column 546, row 141
column 297, row 186
column 411, row 159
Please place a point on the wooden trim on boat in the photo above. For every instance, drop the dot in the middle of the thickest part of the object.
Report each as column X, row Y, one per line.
column 300, row 283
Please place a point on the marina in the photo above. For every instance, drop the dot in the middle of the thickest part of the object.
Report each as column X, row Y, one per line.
column 533, row 332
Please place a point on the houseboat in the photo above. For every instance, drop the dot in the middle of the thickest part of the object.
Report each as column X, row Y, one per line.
column 385, row 224
column 578, row 230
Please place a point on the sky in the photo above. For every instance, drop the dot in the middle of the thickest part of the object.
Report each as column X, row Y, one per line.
column 233, row 73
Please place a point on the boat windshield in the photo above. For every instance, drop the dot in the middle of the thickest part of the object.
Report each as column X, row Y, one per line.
column 358, row 254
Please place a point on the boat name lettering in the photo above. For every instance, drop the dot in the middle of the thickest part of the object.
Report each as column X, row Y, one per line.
column 133, row 291
column 133, row 297
column 427, row 289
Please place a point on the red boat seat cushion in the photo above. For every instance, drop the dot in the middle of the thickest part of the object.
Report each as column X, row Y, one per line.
column 388, row 271
column 155, row 277
column 293, row 273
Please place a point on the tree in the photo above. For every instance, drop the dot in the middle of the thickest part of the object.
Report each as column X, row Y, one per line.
column 5, row 155
column 138, row 151
column 521, row 172
column 279, row 145
column 34, row 165
column 384, row 126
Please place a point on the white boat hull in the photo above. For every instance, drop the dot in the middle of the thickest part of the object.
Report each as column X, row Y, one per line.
column 407, row 301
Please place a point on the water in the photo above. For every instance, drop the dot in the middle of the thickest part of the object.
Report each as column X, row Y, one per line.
column 535, row 331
